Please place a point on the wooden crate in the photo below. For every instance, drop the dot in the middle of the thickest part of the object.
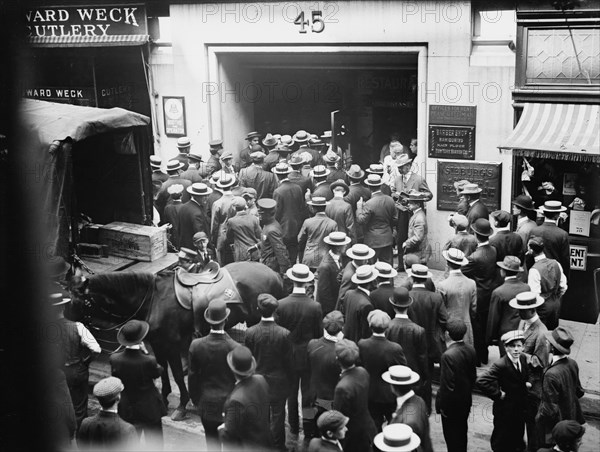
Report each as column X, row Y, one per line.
column 134, row 241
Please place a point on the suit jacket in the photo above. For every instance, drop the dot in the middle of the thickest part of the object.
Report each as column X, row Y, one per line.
column 336, row 174
column 417, row 242
column 213, row 164
column 502, row 318
column 378, row 216
column 264, row 182
column 162, row 197
column 291, row 209
column 194, row 175
column 413, row 340
column 140, row 400
column 351, row 398
column 341, row 212
column 477, row 210
column 273, row 252
column 464, row 241
column 244, row 157
column 328, row 287
column 271, row 347
column 356, row 306
column 414, row 182
column 247, row 416
column 458, row 367
column 428, row 310
column 377, row 354
column 106, row 431
column 302, row 316
column 535, row 347
column 220, row 212
column 210, row 380
column 323, row 190
column 357, row 191
column 380, row 299
column 192, row 218
column 507, row 244
column 310, row 238
column 502, row 375
column 483, row 270
column 322, row 445
column 460, row 298
column 272, row 159
column 556, row 244
column 303, row 182
column 324, row 368
column 171, row 215
column 413, row 413
column 524, row 230
column 158, row 175
column 242, row 231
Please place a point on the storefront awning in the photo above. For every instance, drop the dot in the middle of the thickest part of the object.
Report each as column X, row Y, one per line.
column 88, row 41
column 559, row 131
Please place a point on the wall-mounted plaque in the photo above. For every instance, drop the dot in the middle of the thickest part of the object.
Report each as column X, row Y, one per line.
column 488, row 175
column 452, row 142
column 174, row 114
column 452, row 115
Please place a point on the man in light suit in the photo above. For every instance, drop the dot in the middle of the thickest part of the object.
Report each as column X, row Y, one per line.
column 406, row 181
column 416, row 242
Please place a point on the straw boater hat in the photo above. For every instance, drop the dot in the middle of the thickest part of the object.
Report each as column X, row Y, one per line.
column 524, row 202
column 364, row 274
column 375, row 168
column 385, row 270
column 183, row 142
column 252, row 135
column 297, row 160
column 404, row 159
column 511, row 336
column 510, row 263
column 326, row 135
column 561, row 338
column 552, row 207
column 241, row 362
column 318, row 201
column 455, row 256
column 360, row 251
column 269, row 140
column 460, row 184
column 301, row 136
column 526, row 300
column 401, row 298
column 419, row 271
column 373, row 180
column 155, row 161
column 226, row 181
column 199, row 189
column 340, row 183
column 281, row 168
column 331, row 157
column 175, row 189
column 397, row 438
column 133, row 332
column 217, row 311
column 355, row 172
column 414, row 195
column 320, row 171
column 482, row 227
column 286, row 140
column 337, row 238
column 470, row 189
column 400, row 376
column 300, row 273
column 174, row 165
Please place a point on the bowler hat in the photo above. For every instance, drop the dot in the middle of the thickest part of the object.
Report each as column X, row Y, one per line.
column 331, row 421
column 482, row 227
column 252, row 135
column 300, row 273
column 57, row 299
column 108, row 387
column 470, row 189
column 226, row 180
column 510, row 336
column 378, row 319
column 340, row 183
column 455, row 256
column 510, row 263
column 400, row 375
column 301, row 136
column 561, row 338
column 241, row 362
column 404, row 159
column 199, row 189
column 524, row 202
column 318, row 201
column 552, row 207
column 360, row 251
column 217, row 311
column 375, row 168
column 269, row 140
column 526, row 300
column 385, row 270
column 401, row 298
column 373, row 180
column 266, row 204
column 364, row 274
column 419, row 271
column 281, row 168
column 337, row 238
column 133, row 332
column 320, row 171
column 397, row 437
column 174, row 165
column 355, row 172
column 183, row 142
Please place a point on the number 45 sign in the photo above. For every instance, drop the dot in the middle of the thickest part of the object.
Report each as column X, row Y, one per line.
column 317, row 26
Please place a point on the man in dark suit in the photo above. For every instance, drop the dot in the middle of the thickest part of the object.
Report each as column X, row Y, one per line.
column 214, row 164
column 377, row 354
column 157, row 174
column 477, row 209
column 356, row 304
column 253, row 139
column 246, row 425
column 457, row 378
column 296, row 162
column 461, row 240
column 106, row 430
column 341, row 211
column 360, row 254
column 329, row 272
column 417, row 242
column 483, row 270
column 522, row 207
column 311, row 247
column 209, row 380
column 183, row 147
column 351, row 398
column 171, row 213
column 321, row 187
column 380, row 297
column 356, row 190
column 241, row 231
column 264, row 182
column 507, row 243
column 141, row 404
column 192, row 215
column 506, row 383
column 196, row 171
column 302, row 316
column 291, row 210
column 162, row 197
column 410, row 408
column 332, row 428
column 378, row 216
column 272, row 348
column 556, row 240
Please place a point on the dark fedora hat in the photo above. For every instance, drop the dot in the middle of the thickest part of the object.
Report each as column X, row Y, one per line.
column 561, row 338
column 340, row 183
column 482, row 227
column 524, row 202
column 241, row 362
column 510, row 263
column 217, row 311
column 400, row 298
column 133, row 332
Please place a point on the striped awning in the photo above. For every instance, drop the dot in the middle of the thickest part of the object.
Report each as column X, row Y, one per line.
column 88, row 41
column 560, row 131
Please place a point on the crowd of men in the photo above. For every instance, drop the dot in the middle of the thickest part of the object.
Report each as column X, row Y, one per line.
column 358, row 348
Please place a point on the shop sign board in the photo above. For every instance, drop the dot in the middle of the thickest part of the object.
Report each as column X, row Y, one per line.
column 488, row 175
column 96, row 20
column 578, row 257
column 64, row 94
column 452, row 131
column 174, row 115
column 579, row 222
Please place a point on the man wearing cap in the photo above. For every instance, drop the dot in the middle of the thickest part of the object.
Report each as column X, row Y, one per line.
column 187, row 260
column 291, row 210
column 566, row 436
column 340, row 210
column 227, row 164
column 416, row 240
column 561, row 387
column 246, row 425
column 481, row 268
column 556, row 240
column 214, row 163
column 273, row 252
column 192, row 215
column 220, row 213
column 351, row 398
column 360, row 254
column 183, row 146
column 271, row 345
column 171, row 213
column 162, row 197
column 522, row 207
column 547, row 279
column 507, row 243
column 461, row 240
column 209, row 379
column 409, row 335
column 157, row 173
column 332, row 428
column 253, row 139
column 356, row 304
column 264, row 182
column 477, row 209
column 380, row 297
column 458, row 373
column 506, row 383
column 311, row 246
column 141, row 403
column 203, row 248
column 428, row 310
column 249, row 194
column 76, row 348
column 331, row 160
column 502, row 318
column 278, row 153
column 296, row 177
column 196, row 171
column 410, row 408
column 302, row 316
column 241, row 231
column 459, row 293
column 377, row 354
column 106, row 430
column 329, row 272
column 378, row 216
column 321, row 187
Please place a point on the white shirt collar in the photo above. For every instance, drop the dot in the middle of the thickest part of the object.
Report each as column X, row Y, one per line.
column 268, row 319
column 505, row 228
column 522, row 220
column 364, row 290
column 455, row 272
column 401, row 316
column 473, row 202
column 512, row 360
column 548, row 220
column 487, row 242
column 506, row 278
column 217, row 331
column 557, row 358
column 378, row 334
column 384, row 283
column 416, row 210
column 539, row 257
column 331, row 338
column 419, row 285
column 407, row 175
column 134, row 347
column 401, row 399
column 535, row 318
column 299, row 290
column 335, row 257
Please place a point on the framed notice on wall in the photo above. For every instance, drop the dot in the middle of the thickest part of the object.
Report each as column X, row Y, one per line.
column 452, row 131
column 174, row 115
column 488, row 175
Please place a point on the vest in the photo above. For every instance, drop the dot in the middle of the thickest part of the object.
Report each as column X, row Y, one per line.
column 71, row 349
column 550, row 277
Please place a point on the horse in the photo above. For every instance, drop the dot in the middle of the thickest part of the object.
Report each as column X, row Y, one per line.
column 107, row 301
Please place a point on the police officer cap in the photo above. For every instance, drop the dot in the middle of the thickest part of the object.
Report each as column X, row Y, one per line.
column 266, row 204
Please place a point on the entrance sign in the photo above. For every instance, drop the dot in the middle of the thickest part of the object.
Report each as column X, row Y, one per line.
column 452, row 131
column 578, row 257
column 174, row 115
column 487, row 175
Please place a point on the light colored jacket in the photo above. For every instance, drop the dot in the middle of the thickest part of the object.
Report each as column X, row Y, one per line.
column 460, row 297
